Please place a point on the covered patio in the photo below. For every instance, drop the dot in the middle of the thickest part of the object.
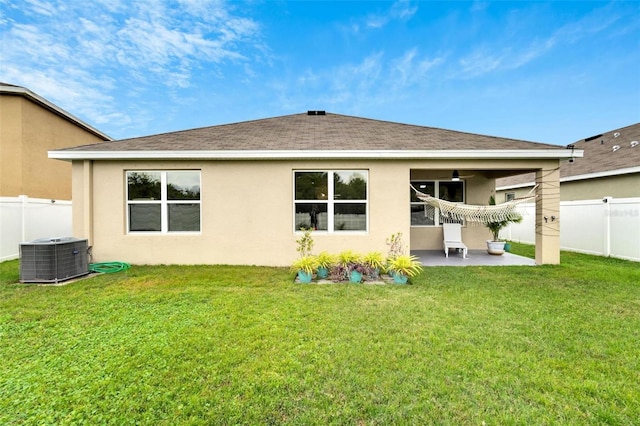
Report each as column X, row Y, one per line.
column 474, row 258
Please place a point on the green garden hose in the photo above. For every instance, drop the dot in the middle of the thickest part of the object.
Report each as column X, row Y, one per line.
column 108, row 267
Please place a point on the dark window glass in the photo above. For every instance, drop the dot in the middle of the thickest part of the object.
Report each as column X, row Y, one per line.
column 451, row 191
column 349, row 186
column 183, row 185
column 311, row 216
column 184, row 217
column 311, row 186
column 422, row 215
column 143, row 185
column 144, row 217
column 350, row 217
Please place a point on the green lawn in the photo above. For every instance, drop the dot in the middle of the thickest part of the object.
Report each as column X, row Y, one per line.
column 231, row 345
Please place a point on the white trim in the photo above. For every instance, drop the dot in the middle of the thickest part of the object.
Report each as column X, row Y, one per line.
column 22, row 91
column 595, row 175
column 164, row 203
column 331, row 202
column 319, row 154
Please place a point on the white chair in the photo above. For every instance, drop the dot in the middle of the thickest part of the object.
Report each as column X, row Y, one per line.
column 453, row 238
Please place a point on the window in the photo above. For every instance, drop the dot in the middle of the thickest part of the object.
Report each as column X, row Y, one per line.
column 332, row 201
column 426, row 215
column 509, row 196
column 163, row 201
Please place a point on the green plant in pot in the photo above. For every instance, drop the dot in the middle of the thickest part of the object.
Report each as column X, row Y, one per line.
column 325, row 261
column 351, row 266
column 375, row 261
column 396, row 248
column 495, row 245
column 404, row 266
column 307, row 263
column 305, row 266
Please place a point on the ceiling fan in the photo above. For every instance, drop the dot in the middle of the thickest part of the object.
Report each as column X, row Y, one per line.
column 456, row 176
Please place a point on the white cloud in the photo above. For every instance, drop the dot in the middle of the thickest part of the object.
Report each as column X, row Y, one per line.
column 65, row 49
column 401, row 10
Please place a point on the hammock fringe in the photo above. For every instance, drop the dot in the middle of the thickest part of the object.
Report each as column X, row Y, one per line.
column 472, row 213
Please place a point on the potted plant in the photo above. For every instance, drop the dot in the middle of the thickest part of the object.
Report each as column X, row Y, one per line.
column 495, row 246
column 396, row 248
column 404, row 266
column 375, row 262
column 325, row 261
column 305, row 266
column 351, row 265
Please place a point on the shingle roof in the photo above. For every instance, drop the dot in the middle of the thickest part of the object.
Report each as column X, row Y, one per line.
column 315, row 132
column 600, row 155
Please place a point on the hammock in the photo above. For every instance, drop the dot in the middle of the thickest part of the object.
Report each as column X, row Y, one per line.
column 472, row 213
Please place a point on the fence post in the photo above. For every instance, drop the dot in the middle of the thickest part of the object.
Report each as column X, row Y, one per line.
column 24, row 199
column 607, row 225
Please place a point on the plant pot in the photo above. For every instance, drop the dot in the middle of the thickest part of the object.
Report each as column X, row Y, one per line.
column 400, row 278
column 323, row 272
column 355, row 277
column 304, row 277
column 495, row 247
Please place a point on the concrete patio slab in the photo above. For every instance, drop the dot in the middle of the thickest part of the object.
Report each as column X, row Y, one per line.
column 474, row 258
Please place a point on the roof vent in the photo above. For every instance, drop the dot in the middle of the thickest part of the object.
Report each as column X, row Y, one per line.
column 634, row 144
column 316, row 113
column 592, row 138
column 616, row 134
column 615, row 148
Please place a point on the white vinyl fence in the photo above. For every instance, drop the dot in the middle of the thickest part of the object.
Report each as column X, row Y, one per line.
column 24, row 219
column 607, row 227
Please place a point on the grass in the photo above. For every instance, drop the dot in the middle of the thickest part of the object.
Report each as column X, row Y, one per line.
column 231, row 345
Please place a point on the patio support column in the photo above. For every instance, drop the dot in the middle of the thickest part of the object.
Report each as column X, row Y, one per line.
column 548, row 216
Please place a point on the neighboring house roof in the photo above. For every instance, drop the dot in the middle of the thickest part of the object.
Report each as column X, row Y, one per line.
column 613, row 153
column 314, row 134
column 11, row 89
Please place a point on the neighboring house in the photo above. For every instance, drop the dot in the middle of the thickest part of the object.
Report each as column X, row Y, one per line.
column 610, row 167
column 239, row 193
column 29, row 127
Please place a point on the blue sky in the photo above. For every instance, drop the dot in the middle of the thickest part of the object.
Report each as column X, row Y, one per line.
column 549, row 72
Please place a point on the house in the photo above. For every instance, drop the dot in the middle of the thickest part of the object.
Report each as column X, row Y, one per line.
column 29, row 127
column 239, row 193
column 610, row 167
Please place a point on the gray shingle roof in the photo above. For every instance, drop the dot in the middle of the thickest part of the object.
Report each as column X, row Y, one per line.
column 315, row 132
column 599, row 155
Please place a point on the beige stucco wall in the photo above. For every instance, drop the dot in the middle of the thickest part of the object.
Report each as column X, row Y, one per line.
column 247, row 211
column 27, row 132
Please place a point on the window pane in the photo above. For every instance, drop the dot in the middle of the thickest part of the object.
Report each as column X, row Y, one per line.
column 184, row 217
column 311, row 185
column 350, row 217
column 451, row 191
column 350, row 185
column 143, row 185
column 422, row 215
column 311, row 216
column 183, row 185
column 425, row 187
column 144, row 217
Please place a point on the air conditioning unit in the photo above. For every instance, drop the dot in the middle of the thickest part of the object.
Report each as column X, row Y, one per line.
column 50, row 260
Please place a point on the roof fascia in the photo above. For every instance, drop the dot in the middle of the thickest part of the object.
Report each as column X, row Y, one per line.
column 21, row 91
column 317, row 155
column 595, row 175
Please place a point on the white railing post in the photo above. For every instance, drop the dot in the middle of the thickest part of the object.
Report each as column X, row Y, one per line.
column 24, row 201
column 607, row 225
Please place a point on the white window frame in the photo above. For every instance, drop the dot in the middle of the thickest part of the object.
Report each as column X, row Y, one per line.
column 330, row 200
column 436, row 183
column 163, row 202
